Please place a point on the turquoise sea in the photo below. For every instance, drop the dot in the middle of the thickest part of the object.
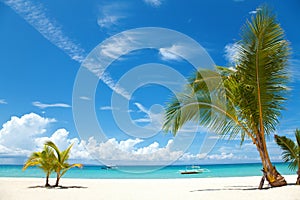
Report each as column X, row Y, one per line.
column 147, row 172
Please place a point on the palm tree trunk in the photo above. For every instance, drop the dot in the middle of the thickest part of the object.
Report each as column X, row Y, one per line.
column 298, row 178
column 272, row 175
column 47, row 180
column 57, row 180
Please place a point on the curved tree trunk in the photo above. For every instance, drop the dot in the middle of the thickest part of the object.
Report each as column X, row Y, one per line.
column 47, row 180
column 57, row 180
column 298, row 178
column 272, row 175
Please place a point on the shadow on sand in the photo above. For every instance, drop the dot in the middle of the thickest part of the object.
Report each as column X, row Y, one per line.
column 238, row 188
column 58, row 187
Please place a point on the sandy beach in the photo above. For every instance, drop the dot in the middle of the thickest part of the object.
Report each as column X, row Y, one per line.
column 201, row 188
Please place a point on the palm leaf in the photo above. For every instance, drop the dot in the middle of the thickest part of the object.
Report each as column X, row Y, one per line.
column 69, row 167
column 289, row 151
column 253, row 93
column 56, row 149
column 65, row 153
column 263, row 55
column 297, row 135
column 196, row 104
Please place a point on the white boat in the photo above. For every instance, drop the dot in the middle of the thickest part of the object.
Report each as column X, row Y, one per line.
column 109, row 167
column 194, row 170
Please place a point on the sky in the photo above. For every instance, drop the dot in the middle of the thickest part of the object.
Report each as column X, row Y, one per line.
column 97, row 74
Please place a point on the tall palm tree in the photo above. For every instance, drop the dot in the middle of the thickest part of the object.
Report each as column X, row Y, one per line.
column 62, row 166
column 248, row 100
column 291, row 151
column 44, row 160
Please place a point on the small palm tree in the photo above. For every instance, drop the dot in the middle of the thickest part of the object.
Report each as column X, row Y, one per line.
column 61, row 165
column 291, row 151
column 246, row 101
column 44, row 160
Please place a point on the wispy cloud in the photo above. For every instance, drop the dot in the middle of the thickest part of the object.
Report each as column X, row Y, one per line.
column 294, row 69
column 106, row 108
column 43, row 105
column 231, row 52
column 253, row 12
column 107, row 21
column 154, row 3
column 118, row 46
column 35, row 15
column 141, row 108
column 171, row 53
column 142, row 120
column 3, row 101
column 153, row 116
column 114, row 86
column 110, row 15
column 85, row 98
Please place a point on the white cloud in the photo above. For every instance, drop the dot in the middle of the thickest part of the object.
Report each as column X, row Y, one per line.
column 2, row 101
column 231, row 52
column 22, row 135
column 85, row 98
column 19, row 133
column 61, row 138
column 43, row 105
column 143, row 120
column 172, row 53
column 154, row 116
column 106, row 108
column 126, row 151
column 110, row 15
column 221, row 156
column 294, row 71
column 154, row 3
column 253, row 12
column 192, row 157
column 107, row 21
column 117, row 47
column 25, row 134
column 35, row 15
column 114, row 86
column 141, row 108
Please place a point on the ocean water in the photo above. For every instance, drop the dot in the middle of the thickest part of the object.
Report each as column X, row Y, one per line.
column 147, row 172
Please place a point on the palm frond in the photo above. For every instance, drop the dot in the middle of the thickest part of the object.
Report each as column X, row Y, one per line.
column 69, row 167
column 56, row 149
column 263, row 55
column 208, row 106
column 289, row 151
column 65, row 153
column 297, row 135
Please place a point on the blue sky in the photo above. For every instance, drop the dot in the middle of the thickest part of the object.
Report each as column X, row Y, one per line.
column 45, row 43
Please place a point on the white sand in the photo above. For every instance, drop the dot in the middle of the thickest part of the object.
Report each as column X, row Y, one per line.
column 201, row 188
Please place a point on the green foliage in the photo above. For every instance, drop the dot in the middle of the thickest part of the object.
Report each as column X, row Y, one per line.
column 290, row 149
column 44, row 160
column 51, row 159
column 245, row 101
column 62, row 166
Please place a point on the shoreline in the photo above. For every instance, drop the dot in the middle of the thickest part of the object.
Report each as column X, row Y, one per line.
column 183, row 188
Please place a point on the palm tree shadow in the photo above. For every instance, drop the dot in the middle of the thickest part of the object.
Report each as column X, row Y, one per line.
column 69, row 187
column 232, row 188
column 59, row 187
